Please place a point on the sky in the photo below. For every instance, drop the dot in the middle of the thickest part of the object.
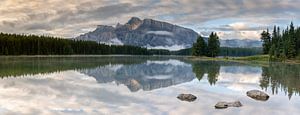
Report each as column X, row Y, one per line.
column 231, row 19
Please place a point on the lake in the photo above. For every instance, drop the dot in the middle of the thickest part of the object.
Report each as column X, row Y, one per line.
column 143, row 85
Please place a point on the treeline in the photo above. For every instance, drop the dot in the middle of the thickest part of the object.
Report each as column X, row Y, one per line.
column 187, row 51
column 224, row 51
column 210, row 49
column 283, row 44
column 236, row 51
column 14, row 44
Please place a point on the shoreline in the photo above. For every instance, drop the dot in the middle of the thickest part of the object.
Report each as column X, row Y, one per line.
column 257, row 59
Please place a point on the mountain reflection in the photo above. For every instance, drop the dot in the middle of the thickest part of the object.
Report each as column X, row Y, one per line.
column 149, row 73
column 147, row 76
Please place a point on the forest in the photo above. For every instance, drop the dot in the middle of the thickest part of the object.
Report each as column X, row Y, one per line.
column 282, row 45
column 13, row 44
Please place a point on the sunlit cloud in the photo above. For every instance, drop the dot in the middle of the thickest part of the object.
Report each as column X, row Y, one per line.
column 70, row 18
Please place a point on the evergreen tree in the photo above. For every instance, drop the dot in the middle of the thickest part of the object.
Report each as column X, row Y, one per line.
column 200, row 47
column 282, row 46
column 213, row 45
column 265, row 37
column 291, row 42
column 13, row 44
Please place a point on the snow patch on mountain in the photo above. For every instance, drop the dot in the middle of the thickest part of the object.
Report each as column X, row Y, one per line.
column 159, row 77
column 114, row 41
column 161, row 33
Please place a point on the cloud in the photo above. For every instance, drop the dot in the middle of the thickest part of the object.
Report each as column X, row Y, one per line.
column 254, row 35
column 70, row 18
column 166, row 33
column 237, row 30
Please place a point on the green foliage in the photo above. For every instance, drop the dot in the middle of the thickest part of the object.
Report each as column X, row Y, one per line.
column 159, row 52
column 187, row 51
column 213, row 45
column 211, row 49
column 230, row 51
column 281, row 46
column 253, row 58
column 13, row 44
column 200, row 47
column 266, row 38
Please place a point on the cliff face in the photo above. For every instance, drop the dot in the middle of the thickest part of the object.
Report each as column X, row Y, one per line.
column 145, row 33
column 154, row 34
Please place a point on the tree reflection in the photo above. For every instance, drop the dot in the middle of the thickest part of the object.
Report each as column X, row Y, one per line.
column 284, row 77
column 19, row 66
column 211, row 68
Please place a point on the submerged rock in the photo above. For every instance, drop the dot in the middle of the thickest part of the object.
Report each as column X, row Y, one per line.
column 187, row 97
column 258, row 95
column 134, row 85
column 223, row 105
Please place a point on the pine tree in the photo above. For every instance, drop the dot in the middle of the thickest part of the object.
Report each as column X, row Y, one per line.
column 282, row 46
column 200, row 47
column 265, row 37
column 274, row 41
column 291, row 42
column 213, row 45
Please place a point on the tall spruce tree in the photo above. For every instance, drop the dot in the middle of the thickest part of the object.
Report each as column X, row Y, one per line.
column 266, row 38
column 291, row 42
column 298, row 40
column 213, row 45
column 200, row 47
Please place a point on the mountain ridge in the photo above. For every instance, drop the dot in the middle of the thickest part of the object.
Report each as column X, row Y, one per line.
column 152, row 34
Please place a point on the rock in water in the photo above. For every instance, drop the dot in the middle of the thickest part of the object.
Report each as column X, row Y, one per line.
column 134, row 85
column 223, row 105
column 235, row 104
column 258, row 95
column 187, row 97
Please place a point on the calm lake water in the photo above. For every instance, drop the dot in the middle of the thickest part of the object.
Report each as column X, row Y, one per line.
column 143, row 85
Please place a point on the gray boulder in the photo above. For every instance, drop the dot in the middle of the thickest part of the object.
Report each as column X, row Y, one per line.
column 258, row 95
column 223, row 105
column 187, row 97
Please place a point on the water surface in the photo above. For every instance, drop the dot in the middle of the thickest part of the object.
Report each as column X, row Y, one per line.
column 143, row 85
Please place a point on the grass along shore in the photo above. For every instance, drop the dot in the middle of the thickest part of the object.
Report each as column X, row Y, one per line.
column 261, row 59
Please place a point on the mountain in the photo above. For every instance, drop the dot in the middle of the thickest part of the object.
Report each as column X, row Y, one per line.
column 145, row 33
column 153, row 34
column 144, row 76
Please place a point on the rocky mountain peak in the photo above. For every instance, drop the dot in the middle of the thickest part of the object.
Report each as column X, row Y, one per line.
column 134, row 20
column 153, row 34
column 134, row 23
column 145, row 33
column 119, row 25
